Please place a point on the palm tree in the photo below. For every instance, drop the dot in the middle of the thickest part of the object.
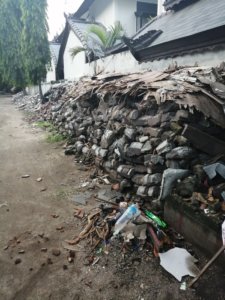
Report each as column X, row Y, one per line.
column 99, row 39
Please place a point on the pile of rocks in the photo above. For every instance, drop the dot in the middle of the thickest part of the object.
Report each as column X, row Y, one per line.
column 137, row 126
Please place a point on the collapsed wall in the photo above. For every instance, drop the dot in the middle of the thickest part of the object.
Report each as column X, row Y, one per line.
column 149, row 131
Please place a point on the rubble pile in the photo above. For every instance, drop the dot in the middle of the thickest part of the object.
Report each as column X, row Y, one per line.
column 28, row 103
column 149, row 131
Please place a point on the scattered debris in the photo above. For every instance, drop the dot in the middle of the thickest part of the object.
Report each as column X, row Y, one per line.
column 56, row 252
column 25, row 176
column 17, row 261
column 44, row 249
column 5, row 204
column 179, row 263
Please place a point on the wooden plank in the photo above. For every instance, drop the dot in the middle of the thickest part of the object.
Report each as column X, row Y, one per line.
column 204, row 141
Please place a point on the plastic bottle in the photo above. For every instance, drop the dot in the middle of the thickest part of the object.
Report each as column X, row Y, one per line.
column 130, row 213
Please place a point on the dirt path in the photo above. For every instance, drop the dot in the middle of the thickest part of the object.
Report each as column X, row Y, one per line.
column 25, row 211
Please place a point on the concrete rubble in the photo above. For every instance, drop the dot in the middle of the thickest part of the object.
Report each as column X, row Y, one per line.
column 150, row 132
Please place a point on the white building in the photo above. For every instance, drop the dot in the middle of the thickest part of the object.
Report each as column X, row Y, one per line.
column 185, row 32
column 132, row 15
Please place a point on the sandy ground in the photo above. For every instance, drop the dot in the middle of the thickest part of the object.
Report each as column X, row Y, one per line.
column 27, row 224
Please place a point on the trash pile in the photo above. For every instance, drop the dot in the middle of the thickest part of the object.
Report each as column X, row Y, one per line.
column 154, row 133
column 135, row 229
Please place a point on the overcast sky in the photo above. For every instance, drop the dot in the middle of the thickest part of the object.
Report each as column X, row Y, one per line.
column 56, row 9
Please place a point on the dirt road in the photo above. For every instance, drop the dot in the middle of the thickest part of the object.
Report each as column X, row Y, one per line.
column 36, row 217
column 26, row 211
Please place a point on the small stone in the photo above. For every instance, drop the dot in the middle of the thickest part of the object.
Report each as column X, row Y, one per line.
column 49, row 261
column 17, row 261
column 6, row 248
column 44, row 249
column 55, row 216
column 43, row 189
column 21, row 251
column 59, row 228
column 25, row 176
column 39, row 179
column 65, row 267
column 56, row 252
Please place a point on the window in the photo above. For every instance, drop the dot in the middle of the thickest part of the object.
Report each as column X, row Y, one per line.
column 145, row 12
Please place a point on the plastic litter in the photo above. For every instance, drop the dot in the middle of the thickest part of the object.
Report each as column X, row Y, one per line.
column 131, row 213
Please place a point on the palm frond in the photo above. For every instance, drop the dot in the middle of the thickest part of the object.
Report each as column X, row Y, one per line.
column 115, row 32
column 100, row 32
column 74, row 51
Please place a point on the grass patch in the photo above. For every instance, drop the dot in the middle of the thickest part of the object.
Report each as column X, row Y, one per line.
column 55, row 137
column 44, row 125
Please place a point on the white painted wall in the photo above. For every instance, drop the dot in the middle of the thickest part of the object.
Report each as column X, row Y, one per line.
column 103, row 11
column 160, row 7
column 125, row 63
column 125, row 13
column 51, row 74
column 74, row 68
column 108, row 12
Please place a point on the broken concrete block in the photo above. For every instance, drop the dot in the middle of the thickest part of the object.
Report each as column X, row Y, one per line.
column 138, row 179
column 164, row 147
column 134, row 114
column 170, row 176
column 153, row 191
column 181, row 153
column 154, row 179
column 107, row 139
column 143, row 139
column 126, row 171
column 148, row 121
column 130, row 133
column 134, row 149
column 157, row 159
column 153, row 132
column 79, row 146
column 142, row 191
column 147, row 147
column 140, row 169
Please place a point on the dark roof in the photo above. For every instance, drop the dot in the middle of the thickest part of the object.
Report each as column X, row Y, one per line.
column 90, row 41
column 80, row 28
column 176, row 4
column 199, row 23
column 83, row 8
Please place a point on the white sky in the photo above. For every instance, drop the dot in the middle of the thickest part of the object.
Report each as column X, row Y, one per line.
column 56, row 9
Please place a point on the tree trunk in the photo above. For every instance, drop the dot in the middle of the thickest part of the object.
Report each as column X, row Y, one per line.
column 40, row 91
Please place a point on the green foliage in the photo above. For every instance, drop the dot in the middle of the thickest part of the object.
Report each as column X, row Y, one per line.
column 24, row 49
column 74, row 51
column 102, row 38
column 45, row 125
column 35, row 46
column 55, row 137
column 11, row 59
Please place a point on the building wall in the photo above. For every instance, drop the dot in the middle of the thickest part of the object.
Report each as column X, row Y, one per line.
column 102, row 11
column 74, row 68
column 125, row 13
column 108, row 12
column 160, row 7
column 125, row 63
column 51, row 74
